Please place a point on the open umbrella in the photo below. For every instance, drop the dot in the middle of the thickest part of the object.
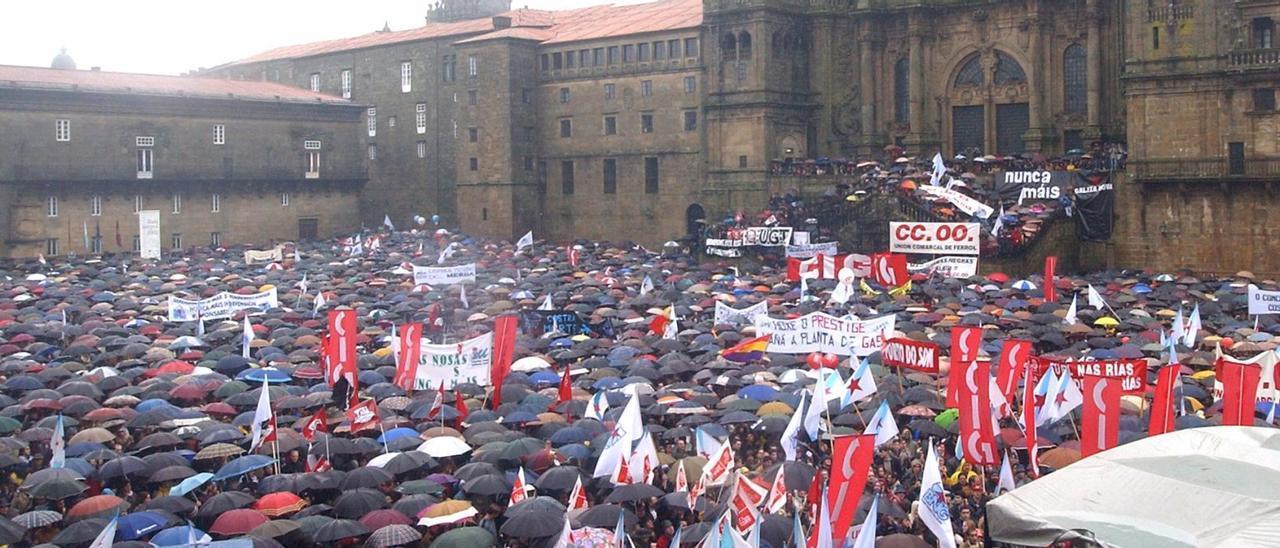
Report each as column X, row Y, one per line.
column 96, row 506
column 190, row 484
column 279, row 504
column 606, row 516
column 339, row 529
column 447, row 512
column 465, row 537
column 36, row 519
column 534, row 518
column 180, row 536
column 243, row 465
column 393, row 535
column 633, row 492
column 237, row 522
column 136, row 525
column 358, row 502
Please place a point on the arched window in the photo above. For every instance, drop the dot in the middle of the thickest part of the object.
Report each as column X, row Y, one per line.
column 729, row 47
column 744, row 45
column 1008, row 71
column 971, row 73
column 901, row 92
column 1074, row 80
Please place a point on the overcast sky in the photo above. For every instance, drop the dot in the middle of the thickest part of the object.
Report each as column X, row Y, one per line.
column 175, row 36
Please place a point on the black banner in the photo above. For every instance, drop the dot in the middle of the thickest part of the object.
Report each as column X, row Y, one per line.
column 535, row 323
column 1021, row 186
column 1095, row 206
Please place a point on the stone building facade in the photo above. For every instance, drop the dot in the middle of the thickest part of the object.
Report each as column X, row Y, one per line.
column 224, row 162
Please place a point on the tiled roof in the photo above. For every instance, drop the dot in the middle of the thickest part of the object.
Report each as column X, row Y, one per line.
column 93, row 81
column 550, row 27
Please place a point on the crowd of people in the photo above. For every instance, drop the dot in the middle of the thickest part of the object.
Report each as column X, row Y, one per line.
column 115, row 418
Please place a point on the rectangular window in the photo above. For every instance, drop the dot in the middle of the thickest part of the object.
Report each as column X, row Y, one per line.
column 219, row 134
column 646, row 123
column 372, row 121
column 473, row 164
column 597, row 57
column 651, row 175
column 584, row 58
column 177, row 204
column 646, row 88
column 613, row 55
column 473, row 66
column 1264, row 100
column 659, row 50
column 642, row 52
column 145, row 141
column 215, row 239
column 455, row 129
column 215, row 203
column 673, row 49
column 315, row 82
column 473, row 134
column 448, row 64
column 1155, row 37
column 406, row 76
column 473, row 97
column 145, row 164
column 51, row 206
column 690, row 84
column 313, row 164
column 373, row 152
column 568, row 59
column 566, row 128
column 691, row 47
column 346, row 83
column 420, row 117
column 51, row 246
column 566, row 177
column 284, row 199
column 422, row 149
column 311, row 145
column 611, row 125
column 62, row 131
column 95, row 206
column 691, row 120
column 628, row 53
column 610, row 91
column 742, row 161
column 175, row 240
column 137, row 243
column 564, row 96
column 610, row 176
column 546, row 62
column 95, row 244
column 137, row 203
column 526, row 96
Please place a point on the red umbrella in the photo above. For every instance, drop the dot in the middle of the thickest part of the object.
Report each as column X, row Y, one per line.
column 219, row 408
column 237, row 522
column 998, row 277
column 178, row 367
column 279, row 504
column 43, row 403
column 102, row 414
column 101, row 505
column 378, row 519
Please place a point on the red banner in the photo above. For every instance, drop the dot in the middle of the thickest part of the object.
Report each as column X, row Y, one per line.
column 315, row 423
column 977, row 432
column 363, row 416
column 1239, row 391
column 1100, row 422
column 342, row 346
column 504, row 348
column 1013, row 358
column 410, row 350
column 1162, row 405
column 965, row 344
column 889, row 269
column 1029, row 421
column 1050, row 273
column 851, row 458
column 920, row 356
column 1131, row 372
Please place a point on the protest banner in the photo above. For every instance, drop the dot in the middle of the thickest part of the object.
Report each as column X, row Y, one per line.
column 1032, row 185
column 149, row 234
column 766, row 236
column 726, row 314
column 723, row 247
column 818, row 332
column 221, row 306
column 800, row 237
column 1095, row 206
column 1262, row 301
column 962, row 202
column 275, row 255
column 465, row 362
column 808, row 251
column 1131, row 372
column 948, row 267
column 916, row 355
column 444, row 275
column 934, row 238
column 1269, row 383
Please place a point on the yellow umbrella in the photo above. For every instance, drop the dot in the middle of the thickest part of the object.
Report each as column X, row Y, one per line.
column 1193, row 403
column 1106, row 321
column 1133, row 404
column 1202, row 375
column 774, row 408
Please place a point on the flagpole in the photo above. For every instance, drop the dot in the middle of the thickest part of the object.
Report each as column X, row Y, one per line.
column 275, row 452
column 385, row 449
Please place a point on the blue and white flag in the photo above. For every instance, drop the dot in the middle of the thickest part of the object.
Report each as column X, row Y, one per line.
column 933, row 502
column 646, row 286
column 245, row 338
column 883, row 425
column 107, row 537
column 58, row 444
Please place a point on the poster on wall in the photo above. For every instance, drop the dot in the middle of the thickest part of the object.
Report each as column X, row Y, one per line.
column 1034, row 185
column 149, row 233
column 1095, row 206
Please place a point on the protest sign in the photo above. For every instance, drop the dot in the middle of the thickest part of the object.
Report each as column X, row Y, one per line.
column 818, row 332
column 948, row 267
column 149, row 234
column 275, row 255
column 962, row 202
column 917, row 355
column 766, row 236
column 1032, row 185
column 221, row 306
column 808, row 251
column 465, row 362
column 721, row 247
column 1262, row 301
column 1131, row 372
column 934, row 238
column 1095, row 206
column 726, row 314
column 445, row 275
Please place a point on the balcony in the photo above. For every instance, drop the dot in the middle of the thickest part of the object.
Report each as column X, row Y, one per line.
column 1254, row 58
column 1205, row 169
column 1170, row 13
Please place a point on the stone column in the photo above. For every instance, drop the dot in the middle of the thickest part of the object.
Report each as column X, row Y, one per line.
column 1093, row 51
column 1038, row 131
column 919, row 139
column 867, row 83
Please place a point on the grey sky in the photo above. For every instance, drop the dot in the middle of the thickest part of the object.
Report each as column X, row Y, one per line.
column 174, row 36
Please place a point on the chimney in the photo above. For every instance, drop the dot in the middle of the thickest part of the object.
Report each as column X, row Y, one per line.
column 502, row 21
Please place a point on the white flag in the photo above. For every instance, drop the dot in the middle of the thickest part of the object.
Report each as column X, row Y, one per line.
column 813, row 417
column 646, row 286
column 1095, row 298
column 107, row 537
column 564, row 541
column 597, row 406
column 58, row 444
column 867, row 534
column 386, row 221
column 446, row 253
column 939, row 169
column 862, row 384
column 319, row 303
column 463, row 296
column 246, row 338
column 934, row 512
column 1006, row 477
column 789, row 435
column 999, row 224
column 1193, row 328
column 1071, row 311
column 261, row 415
column 883, row 425
column 1068, row 397
column 547, row 304
column 823, row 528
column 525, row 241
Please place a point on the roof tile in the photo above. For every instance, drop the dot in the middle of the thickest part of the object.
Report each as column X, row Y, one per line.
column 153, row 84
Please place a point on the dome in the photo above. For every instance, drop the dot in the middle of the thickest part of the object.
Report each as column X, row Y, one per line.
column 63, row 61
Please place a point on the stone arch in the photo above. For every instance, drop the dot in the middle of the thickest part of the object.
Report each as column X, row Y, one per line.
column 987, row 101
column 729, row 46
column 695, row 218
column 744, row 45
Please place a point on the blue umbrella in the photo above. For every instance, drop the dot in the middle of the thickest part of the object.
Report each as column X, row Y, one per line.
column 190, row 484
column 397, row 433
column 561, row 343
column 242, row 466
column 147, row 405
column 758, row 392
column 268, row 374
column 544, row 377
column 78, row 449
column 139, row 524
column 607, row 383
column 566, row 436
column 179, row 536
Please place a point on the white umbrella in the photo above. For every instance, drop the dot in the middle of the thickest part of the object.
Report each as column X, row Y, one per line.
column 444, row 446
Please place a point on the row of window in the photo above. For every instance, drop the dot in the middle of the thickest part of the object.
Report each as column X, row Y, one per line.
column 95, row 204
column 62, row 134
column 626, row 53
column 610, row 123
column 52, row 247
column 447, row 62
column 146, row 156
column 646, row 90
column 609, row 176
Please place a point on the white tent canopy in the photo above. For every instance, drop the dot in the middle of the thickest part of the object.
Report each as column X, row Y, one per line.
column 1213, row 486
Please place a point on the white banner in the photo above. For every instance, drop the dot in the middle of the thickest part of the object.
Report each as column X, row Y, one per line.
column 934, row 238
column 800, row 238
column 1266, row 361
column 723, row 247
column 818, row 332
column 252, row 256
column 1262, row 301
column 949, row 267
column 445, row 275
column 768, row 236
column 467, row 362
column 961, row 201
column 221, row 306
column 149, row 233
column 809, row 251
column 726, row 314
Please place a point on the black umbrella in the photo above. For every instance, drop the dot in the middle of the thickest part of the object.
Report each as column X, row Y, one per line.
column 356, row 503
column 58, row 489
column 121, row 467
column 365, row 476
column 633, row 492
column 80, row 532
column 796, row 475
column 223, row 502
column 409, row 461
column 487, row 485
column 560, row 478
column 534, row 518
column 605, row 516
column 339, row 529
column 181, row 506
column 10, row 532
column 172, row 473
column 473, row 470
